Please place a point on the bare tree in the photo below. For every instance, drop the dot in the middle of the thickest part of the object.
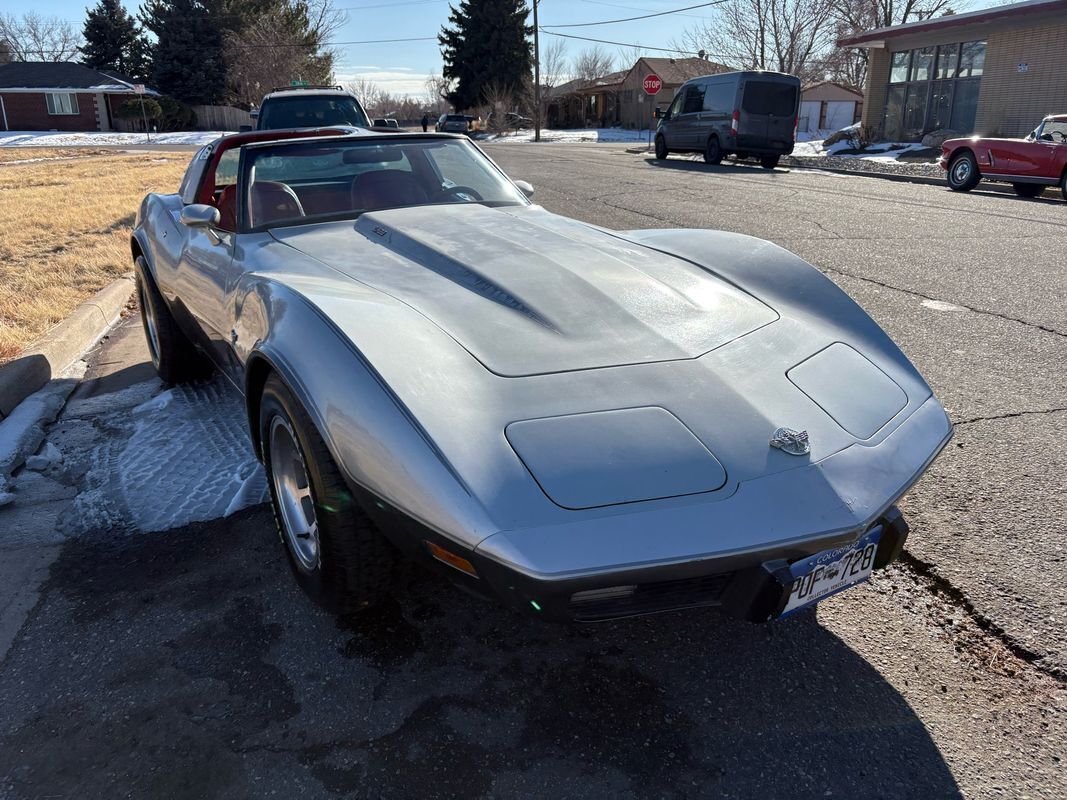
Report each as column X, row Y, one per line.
column 437, row 89
column 554, row 63
column 592, row 64
column 791, row 36
column 32, row 37
column 499, row 102
column 368, row 92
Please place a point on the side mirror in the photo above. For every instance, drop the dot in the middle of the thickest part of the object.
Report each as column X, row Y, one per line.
column 254, row 113
column 200, row 215
column 525, row 188
column 660, row 113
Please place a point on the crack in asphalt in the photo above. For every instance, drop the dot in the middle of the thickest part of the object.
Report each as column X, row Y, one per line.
column 927, row 575
column 1012, row 415
column 915, row 293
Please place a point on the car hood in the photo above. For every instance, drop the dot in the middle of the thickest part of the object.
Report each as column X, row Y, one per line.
column 529, row 293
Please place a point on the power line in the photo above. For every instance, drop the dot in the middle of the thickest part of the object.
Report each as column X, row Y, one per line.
column 635, row 8
column 620, row 44
column 632, row 19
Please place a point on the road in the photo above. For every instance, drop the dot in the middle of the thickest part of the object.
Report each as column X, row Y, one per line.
column 185, row 663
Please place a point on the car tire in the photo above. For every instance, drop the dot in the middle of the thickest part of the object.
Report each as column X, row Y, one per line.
column 175, row 358
column 340, row 559
column 963, row 174
column 1063, row 185
column 768, row 162
column 1028, row 189
column 713, row 153
column 661, row 149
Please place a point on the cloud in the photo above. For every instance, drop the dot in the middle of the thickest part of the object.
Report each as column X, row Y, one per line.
column 398, row 82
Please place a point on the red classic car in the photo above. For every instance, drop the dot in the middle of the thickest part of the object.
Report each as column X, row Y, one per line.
column 1029, row 165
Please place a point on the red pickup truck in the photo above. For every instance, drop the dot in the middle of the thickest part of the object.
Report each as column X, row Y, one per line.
column 1030, row 165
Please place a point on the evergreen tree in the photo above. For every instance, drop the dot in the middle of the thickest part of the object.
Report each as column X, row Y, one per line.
column 187, row 59
column 486, row 47
column 113, row 40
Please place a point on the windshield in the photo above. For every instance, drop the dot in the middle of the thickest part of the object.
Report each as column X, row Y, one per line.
column 290, row 184
column 770, row 97
column 311, row 111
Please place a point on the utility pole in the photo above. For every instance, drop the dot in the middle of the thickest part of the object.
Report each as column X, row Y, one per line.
column 537, row 79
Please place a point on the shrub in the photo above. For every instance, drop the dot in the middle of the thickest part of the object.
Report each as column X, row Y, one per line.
column 131, row 109
column 176, row 115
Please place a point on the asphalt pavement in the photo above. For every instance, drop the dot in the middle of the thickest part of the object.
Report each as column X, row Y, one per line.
column 186, row 663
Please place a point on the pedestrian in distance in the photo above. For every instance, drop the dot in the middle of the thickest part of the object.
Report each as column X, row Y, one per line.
column 425, row 122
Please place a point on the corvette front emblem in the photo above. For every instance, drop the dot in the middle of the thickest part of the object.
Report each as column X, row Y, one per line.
column 790, row 441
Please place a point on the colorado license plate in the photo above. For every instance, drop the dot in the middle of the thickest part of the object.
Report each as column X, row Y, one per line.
column 823, row 574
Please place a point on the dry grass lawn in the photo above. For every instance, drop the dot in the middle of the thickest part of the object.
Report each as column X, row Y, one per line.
column 65, row 230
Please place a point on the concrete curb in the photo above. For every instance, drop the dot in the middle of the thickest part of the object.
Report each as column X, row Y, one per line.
column 64, row 344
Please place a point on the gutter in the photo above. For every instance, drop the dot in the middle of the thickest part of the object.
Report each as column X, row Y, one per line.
column 3, row 112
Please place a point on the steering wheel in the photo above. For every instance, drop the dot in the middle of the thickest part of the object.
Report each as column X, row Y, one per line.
column 1061, row 134
column 460, row 191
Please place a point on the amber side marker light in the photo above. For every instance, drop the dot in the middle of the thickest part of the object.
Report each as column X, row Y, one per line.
column 459, row 562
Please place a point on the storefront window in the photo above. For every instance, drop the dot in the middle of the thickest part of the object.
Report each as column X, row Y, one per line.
column 933, row 88
column 972, row 59
column 898, row 70
column 947, row 54
column 921, row 62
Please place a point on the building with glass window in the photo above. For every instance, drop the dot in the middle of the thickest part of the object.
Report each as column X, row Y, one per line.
column 994, row 72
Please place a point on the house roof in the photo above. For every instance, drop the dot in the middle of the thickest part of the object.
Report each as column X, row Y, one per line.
column 63, row 75
column 1014, row 11
column 679, row 70
column 809, row 86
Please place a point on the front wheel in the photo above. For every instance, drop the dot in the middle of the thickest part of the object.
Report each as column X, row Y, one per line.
column 1063, row 185
column 713, row 152
column 336, row 553
column 768, row 162
column 661, row 148
column 1028, row 189
column 175, row 358
column 963, row 174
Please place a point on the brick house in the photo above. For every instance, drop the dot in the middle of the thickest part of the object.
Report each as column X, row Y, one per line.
column 994, row 71
column 61, row 96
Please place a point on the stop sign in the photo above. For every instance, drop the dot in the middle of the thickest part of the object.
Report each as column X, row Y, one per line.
column 652, row 83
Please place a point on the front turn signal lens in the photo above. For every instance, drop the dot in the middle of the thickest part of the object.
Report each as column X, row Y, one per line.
column 444, row 556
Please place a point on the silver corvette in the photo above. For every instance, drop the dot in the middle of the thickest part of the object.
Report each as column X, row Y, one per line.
column 583, row 423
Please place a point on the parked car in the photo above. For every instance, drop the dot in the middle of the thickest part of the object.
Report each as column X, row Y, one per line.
column 747, row 114
column 1030, row 165
column 452, row 123
column 583, row 423
column 310, row 107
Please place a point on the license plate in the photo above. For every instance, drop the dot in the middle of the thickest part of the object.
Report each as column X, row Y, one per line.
column 823, row 574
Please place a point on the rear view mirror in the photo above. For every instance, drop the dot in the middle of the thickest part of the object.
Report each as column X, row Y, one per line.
column 371, row 155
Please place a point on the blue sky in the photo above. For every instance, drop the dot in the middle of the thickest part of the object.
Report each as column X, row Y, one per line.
column 402, row 67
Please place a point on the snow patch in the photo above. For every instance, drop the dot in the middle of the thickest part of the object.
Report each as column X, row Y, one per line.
column 569, row 136
column 48, row 456
column 182, row 456
column 91, row 139
column 941, row 305
column 22, row 431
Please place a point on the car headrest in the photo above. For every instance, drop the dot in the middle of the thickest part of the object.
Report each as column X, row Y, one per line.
column 386, row 188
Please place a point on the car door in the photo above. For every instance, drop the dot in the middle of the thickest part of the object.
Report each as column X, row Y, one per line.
column 1049, row 150
column 691, row 130
column 205, row 273
column 671, row 125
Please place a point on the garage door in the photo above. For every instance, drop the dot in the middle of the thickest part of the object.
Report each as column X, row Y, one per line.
column 839, row 114
column 809, row 117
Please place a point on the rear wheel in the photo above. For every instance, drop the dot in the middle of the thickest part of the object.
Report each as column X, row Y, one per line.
column 337, row 554
column 173, row 355
column 1028, row 189
column 1063, row 185
column 963, row 174
column 661, row 148
column 768, row 162
column 713, row 151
